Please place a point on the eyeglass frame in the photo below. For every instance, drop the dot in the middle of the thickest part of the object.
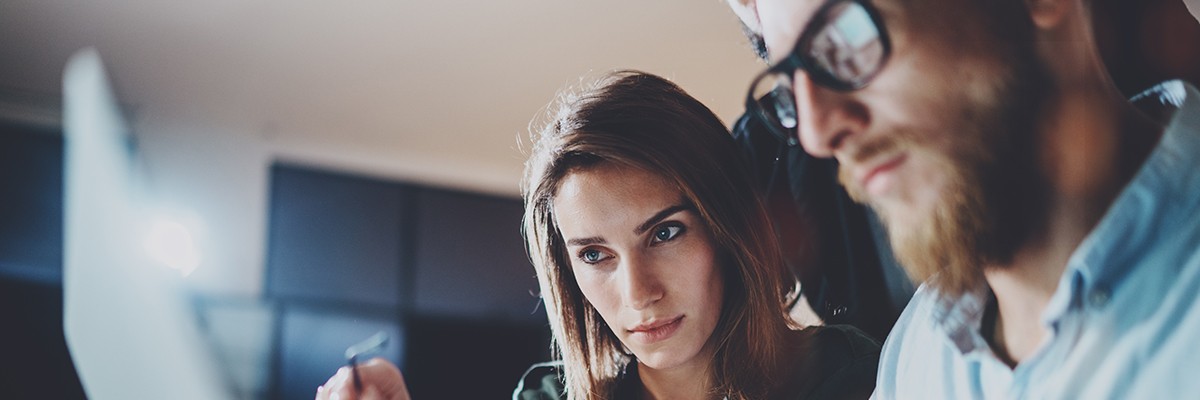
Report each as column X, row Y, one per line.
column 795, row 61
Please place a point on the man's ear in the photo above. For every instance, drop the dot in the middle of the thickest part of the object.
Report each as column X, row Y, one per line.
column 747, row 11
column 1048, row 14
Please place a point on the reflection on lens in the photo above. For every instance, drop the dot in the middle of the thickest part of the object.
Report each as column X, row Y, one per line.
column 785, row 107
column 774, row 97
column 854, row 25
column 848, row 47
column 773, row 103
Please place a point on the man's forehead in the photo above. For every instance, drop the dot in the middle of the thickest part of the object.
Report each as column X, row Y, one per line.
column 781, row 21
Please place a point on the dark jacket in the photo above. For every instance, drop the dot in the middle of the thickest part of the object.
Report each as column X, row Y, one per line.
column 835, row 247
column 827, row 362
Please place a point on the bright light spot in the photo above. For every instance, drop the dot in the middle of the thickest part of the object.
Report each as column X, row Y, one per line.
column 171, row 243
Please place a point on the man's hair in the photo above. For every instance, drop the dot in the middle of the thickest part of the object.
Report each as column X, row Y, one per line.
column 639, row 120
column 748, row 17
column 757, row 43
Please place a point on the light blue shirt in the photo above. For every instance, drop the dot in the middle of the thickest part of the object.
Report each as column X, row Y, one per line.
column 1124, row 321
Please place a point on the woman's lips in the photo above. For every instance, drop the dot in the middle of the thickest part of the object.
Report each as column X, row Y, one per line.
column 656, row 331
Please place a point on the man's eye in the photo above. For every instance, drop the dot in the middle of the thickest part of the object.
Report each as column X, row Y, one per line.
column 667, row 232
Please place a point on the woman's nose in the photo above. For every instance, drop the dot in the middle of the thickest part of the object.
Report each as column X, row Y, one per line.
column 641, row 287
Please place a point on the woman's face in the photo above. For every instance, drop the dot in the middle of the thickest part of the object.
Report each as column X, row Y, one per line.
column 645, row 260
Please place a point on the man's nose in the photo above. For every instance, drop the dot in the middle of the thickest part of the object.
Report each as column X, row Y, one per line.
column 827, row 118
column 641, row 287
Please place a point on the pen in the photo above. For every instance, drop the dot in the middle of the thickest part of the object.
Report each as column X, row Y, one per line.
column 371, row 345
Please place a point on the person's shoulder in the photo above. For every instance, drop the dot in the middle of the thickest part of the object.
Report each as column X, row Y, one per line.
column 916, row 322
column 915, row 339
column 840, row 341
column 918, row 314
column 542, row 381
column 831, row 362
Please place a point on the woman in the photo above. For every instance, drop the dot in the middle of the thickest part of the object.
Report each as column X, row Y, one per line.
column 659, row 270
column 657, row 264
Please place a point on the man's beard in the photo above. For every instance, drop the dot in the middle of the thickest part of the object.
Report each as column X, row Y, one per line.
column 993, row 195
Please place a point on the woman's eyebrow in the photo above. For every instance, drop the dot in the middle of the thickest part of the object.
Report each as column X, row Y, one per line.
column 640, row 229
column 659, row 216
column 586, row 241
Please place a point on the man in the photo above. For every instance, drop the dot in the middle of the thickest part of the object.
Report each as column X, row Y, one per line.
column 1056, row 226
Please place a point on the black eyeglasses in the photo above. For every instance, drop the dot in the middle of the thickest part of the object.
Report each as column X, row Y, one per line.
column 843, row 47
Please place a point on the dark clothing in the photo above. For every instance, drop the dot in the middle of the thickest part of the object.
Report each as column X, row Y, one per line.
column 835, row 247
column 825, row 362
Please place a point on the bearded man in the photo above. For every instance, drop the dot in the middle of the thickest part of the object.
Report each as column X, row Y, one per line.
column 1055, row 224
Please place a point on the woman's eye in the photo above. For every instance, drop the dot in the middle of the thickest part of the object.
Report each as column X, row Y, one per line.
column 591, row 256
column 667, row 232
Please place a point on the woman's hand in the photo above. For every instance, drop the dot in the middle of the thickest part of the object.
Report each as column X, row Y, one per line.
column 380, row 381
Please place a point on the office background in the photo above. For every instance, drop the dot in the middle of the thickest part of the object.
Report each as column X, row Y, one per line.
column 360, row 163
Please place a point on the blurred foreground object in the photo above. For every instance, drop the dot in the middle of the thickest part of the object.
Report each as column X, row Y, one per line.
column 129, row 328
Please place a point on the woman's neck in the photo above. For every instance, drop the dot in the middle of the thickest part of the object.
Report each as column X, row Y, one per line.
column 692, row 380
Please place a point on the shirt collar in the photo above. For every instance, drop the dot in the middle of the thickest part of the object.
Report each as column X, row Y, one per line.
column 1160, row 186
column 960, row 317
column 1158, row 192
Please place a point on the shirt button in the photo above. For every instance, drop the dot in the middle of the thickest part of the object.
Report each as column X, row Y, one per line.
column 1098, row 298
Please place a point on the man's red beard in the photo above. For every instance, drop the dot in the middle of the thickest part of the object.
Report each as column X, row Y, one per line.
column 992, row 198
column 942, row 242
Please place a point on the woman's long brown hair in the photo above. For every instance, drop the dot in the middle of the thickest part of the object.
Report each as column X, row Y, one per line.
column 644, row 121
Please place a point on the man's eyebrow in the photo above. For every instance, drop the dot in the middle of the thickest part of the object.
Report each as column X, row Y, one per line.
column 659, row 216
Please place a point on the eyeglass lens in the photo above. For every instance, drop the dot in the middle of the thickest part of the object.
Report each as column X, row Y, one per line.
column 776, row 105
column 848, row 47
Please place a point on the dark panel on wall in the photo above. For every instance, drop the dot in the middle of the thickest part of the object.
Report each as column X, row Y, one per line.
column 456, row 262
column 31, row 203
column 34, row 360
column 313, row 343
column 470, row 258
column 470, row 359
column 335, row 237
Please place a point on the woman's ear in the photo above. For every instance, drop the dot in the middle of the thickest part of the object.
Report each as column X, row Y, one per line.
column 1049, row 14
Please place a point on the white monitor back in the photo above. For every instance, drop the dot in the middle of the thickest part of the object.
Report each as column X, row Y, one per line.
column 131, row 331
